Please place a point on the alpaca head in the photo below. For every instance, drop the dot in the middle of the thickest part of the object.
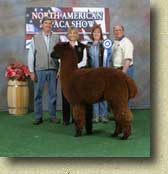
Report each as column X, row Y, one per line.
column 65, row 52
column 59, row 50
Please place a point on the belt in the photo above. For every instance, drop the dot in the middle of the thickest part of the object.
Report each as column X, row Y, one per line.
column 122, row 67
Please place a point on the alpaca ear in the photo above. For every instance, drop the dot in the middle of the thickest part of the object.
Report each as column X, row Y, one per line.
column 55, row 53
column 65, row 44
column 59, row 49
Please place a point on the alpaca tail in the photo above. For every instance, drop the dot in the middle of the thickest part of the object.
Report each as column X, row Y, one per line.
column 132, row 88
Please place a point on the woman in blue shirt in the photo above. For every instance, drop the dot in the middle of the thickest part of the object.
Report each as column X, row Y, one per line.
column 96, row 58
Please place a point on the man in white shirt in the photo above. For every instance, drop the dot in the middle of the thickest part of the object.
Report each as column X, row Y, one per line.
column 122, row 51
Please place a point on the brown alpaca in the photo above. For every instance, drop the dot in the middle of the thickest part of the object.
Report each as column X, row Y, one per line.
column 86, row 86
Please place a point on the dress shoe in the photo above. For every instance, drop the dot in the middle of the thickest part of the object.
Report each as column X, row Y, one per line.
column 39, row 121
column 96, row 119
column 66, row 123
column 104, row 120
column 54, row 120
column 72, row 121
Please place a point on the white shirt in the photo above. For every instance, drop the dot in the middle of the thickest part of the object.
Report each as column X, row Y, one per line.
column 84, row 59
column 47, row 40
column 30, row 56
column 122, row 50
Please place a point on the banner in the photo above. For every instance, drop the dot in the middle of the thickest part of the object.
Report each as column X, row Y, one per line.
column 63, row 18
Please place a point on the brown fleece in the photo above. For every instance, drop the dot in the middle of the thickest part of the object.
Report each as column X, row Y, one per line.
column 86, row 86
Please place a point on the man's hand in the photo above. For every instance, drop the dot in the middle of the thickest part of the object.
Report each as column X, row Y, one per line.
column 33, row 76
column 58, row 75
column 126, row 65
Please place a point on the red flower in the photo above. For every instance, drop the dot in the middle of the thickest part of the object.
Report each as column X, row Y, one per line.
column 17, row 71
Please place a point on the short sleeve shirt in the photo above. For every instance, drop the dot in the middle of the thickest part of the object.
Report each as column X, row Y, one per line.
column 122, row 50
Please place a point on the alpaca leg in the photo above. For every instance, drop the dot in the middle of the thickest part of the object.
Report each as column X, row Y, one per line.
column 79, row 119
column 126, row 131
column 123, row 118
column 118, row 130
column 88, row 119
column 118, row 127
column 126, row 124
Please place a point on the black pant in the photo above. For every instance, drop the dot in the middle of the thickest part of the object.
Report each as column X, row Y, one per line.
column 66, row 114
column 88, row 118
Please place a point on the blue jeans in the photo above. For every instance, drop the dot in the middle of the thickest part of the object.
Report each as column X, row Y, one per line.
column 100, row 109
column 43, row 76
column 130, row 71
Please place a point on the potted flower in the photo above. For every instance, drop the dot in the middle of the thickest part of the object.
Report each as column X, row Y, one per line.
column 17, row 71
column 17, row 92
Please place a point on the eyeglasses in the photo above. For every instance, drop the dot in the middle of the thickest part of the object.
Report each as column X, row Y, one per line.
column 118, row 30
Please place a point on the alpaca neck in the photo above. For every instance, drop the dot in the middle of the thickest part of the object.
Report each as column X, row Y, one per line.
column 68, row 65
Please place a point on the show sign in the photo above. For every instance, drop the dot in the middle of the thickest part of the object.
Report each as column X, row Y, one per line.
column 63, row 18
